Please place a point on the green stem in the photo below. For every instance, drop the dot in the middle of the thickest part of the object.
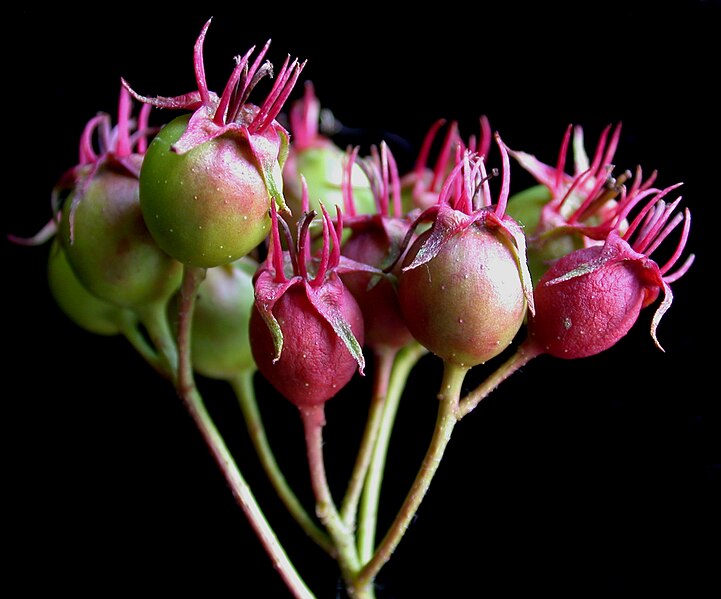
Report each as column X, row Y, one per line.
column 194, row 403
column 313, row 418
column 403, row 363
column 154, row 318
column 244, row 389
column 129, row 327
column 523, row 354
column 384, row 363
column 449, row 396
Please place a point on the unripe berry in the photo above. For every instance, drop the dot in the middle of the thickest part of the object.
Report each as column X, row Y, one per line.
column 464, row 287
column 209, row 178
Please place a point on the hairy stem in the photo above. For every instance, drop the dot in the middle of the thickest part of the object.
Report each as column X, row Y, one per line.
column 524, row 354
column 313, row 418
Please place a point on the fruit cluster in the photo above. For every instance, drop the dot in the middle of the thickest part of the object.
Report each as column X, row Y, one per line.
column 226, row 242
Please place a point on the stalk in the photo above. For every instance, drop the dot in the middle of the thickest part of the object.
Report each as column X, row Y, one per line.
column 449, row 397
column 194, row 403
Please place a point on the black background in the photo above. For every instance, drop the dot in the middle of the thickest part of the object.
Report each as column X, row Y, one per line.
column 594, row 477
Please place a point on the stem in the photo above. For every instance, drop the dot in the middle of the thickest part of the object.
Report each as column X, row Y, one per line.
column 313, row 418
column 449, row 395
column 129, row 328
column 404, row 361
column 524, row 354
column 384, row 362
column 192, row 277
column 242, row 384
column 154, row 318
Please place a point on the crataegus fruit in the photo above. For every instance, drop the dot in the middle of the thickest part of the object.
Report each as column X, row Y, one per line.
column 465, row 287
column 220, row 344
column 209, row 178
column 589, row 299
column 208, row 206
column 307, row 331
column 101, row 226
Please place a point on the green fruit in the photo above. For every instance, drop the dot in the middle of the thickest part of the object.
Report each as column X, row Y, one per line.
column 108, row 245
column 80, row 305
column 220, row 345
column 207, row 206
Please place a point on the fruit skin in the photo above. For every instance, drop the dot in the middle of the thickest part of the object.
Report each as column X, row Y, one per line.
column 315, row 363
column 220, row 342
column 585, row 315
column 467, row 303
column 378, row 298
column 108, row 245
column 208, row 206
column 84, row 308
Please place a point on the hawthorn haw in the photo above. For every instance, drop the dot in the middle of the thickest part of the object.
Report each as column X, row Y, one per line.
column 209, row 177
column 306, row 331
column 589, row 299
column 464, row 287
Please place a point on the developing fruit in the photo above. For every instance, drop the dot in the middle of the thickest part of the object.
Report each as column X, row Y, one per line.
column 306, row 332
column 589, row 299
column 465, row 287
column 209, row 178
column 101, row 227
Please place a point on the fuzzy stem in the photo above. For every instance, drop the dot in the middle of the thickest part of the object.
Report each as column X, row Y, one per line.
column 448, row 396
column 242, row 384
column 193, row 401
column 404, row 361
column 384, row 362
column 313, row 418
column 523, row 354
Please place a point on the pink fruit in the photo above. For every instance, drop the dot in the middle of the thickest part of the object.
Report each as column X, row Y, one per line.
column 589, row 299
column 465, row 287
column 306, row 331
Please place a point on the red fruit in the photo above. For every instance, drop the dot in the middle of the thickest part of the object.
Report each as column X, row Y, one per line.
column 376, row 239
column 306, row 332
column 589, row 299
column 315, row 362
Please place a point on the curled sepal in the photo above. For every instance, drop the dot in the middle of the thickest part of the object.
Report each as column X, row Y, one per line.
column 514, row 232
column 215, row 115
column 589, row 299
column 464, row 287
column 267, row 293
column 307, row 330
